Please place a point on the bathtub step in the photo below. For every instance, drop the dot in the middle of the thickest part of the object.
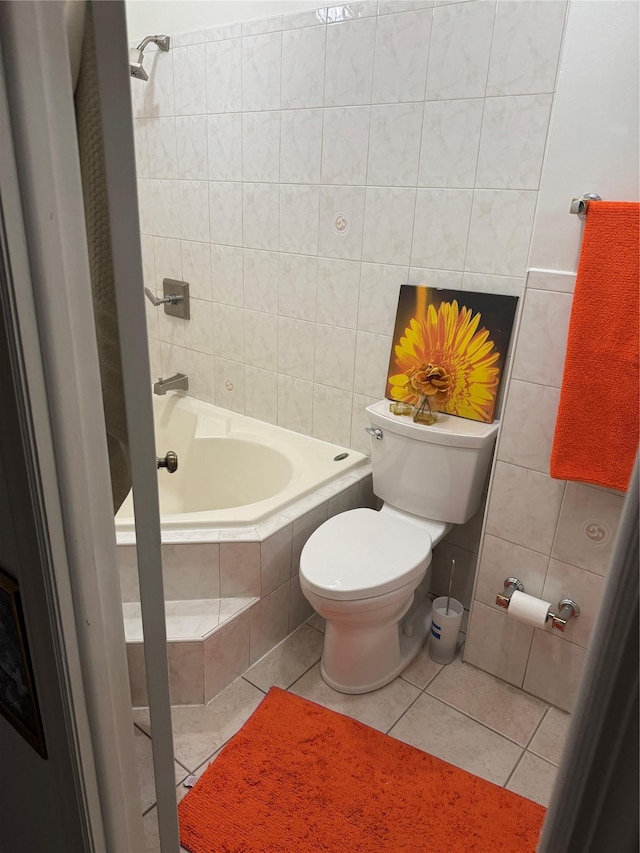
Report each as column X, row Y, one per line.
column 194, row 620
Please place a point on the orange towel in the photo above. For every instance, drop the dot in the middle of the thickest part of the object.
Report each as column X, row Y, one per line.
column 596, row 437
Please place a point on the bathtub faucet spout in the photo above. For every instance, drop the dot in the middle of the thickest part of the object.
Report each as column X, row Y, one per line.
column 179, row 382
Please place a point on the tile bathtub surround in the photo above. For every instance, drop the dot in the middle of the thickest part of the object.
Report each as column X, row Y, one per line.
column 298, row 169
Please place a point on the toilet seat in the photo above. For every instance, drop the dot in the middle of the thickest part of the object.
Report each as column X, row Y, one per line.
column 361, row 554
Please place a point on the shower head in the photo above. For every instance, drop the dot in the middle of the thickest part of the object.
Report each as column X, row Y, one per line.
column 136, row 55
column 136, row 68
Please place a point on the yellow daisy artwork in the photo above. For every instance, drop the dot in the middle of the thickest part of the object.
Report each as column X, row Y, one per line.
column 451, row 344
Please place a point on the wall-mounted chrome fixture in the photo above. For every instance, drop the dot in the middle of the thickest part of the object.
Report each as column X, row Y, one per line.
column 175, row 300
column 567, row 608
column 177, row 382
column 136, row 54
column 580, row 205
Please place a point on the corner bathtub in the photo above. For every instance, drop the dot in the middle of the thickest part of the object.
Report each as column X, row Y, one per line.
column 233, row 471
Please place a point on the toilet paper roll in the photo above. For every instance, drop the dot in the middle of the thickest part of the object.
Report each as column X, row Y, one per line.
column 528, row 609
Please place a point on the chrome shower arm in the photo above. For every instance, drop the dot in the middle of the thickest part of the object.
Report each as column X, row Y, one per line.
column 163, row 42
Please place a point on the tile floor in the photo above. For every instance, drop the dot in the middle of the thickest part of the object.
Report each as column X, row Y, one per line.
column 457, row 712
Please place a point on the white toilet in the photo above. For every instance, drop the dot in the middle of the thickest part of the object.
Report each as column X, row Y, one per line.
column 361, row 569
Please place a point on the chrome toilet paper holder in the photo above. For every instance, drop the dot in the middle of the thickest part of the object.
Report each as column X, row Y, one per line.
column 567, row 608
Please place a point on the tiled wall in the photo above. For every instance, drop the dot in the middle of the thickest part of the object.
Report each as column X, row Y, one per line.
column 558, row 537
column 297, row 170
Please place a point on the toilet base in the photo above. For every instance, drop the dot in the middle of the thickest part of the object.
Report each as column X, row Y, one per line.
column 396, row 649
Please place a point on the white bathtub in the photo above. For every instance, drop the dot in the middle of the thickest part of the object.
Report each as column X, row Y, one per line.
column 233, row 471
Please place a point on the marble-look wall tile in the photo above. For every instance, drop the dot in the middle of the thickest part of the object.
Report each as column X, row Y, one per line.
column 389, row 215
column 401, row 57
column 261, row 147
column 295, row 404
column 199, row 330
column 394, row 145
column 554, row 670
column 497, row 644
column 345, row 140
column 299, row 217
column 332, row 414
column 186, row 673
column 229, row 385
column 228, row 331
column 450, row 143
column 335, row 357
column 298, row 275
column 303, row 58
column 587, row 527
column 542, row 339
column 303, row 527
column 261, row 281
column 338, row 292
column 361, row 442
column 349, row 63
column 226, row 655
column 276, row 559
column 528, row 424
column 260, row 214
column 196, row 268
column 224, row 76
column 189, row 78
column 191, row 148
column 558, row 280
column 501, row 560
column 269, row 622
column 225, row 213
column 299, row 608
column 379, row 291
column 193, row 201
column 372, row 364
column 158, row 90
column 142, row 149
column 524, row 507
column 514, row 132
column 296, row 346
column 224, row 134
column 526, row 46
column 199, row 367
column 261, row 68
column 301, row 146
column 441, row 228
column 261, row 340
column 501, row 223
column 341, row 222
column 163, row 203
column 239, row 569
column 261, row 394
column 460, row 47
column 501, row 284
column 262, row 25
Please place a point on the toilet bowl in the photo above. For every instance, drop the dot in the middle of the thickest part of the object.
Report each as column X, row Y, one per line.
column 361, row 569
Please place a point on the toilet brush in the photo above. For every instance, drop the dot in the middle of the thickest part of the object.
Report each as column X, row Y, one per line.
column 453, row 568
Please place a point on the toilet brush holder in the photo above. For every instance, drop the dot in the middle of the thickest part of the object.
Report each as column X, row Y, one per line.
column 445, row 627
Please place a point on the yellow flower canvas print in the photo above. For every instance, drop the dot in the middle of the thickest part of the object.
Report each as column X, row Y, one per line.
column 465, row 334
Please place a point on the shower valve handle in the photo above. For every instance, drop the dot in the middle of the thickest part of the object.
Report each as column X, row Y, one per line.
column 170, row 462
column 170, row 299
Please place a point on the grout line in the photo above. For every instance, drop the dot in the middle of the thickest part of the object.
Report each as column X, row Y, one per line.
column 515, row 767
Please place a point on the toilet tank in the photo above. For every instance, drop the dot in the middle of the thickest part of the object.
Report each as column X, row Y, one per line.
column 435, row 471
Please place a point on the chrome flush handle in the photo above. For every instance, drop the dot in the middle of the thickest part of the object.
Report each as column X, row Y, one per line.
column 375, row 432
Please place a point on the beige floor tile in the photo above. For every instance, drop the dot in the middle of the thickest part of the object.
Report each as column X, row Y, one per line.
column 422, row 669
column 144, row 760
column 436, row 728
column 379, row 709
column 317, row 621
column 199, row 730
column 533, row 778
column 289, row 660
column 548, row 742
column 496, row 704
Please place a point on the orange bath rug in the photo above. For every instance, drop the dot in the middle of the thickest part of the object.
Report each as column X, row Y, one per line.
column 302, row 779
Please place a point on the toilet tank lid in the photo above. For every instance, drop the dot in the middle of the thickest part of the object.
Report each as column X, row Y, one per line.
column 448, row 429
